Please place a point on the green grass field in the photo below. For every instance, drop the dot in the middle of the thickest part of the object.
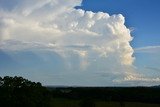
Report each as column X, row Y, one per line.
column 126, row 104
column 76, row 103
column 64, row 103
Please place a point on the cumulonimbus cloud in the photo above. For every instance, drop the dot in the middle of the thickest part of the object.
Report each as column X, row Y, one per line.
column 93, row 42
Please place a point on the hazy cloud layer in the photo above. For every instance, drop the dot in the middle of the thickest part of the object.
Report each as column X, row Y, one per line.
column 87, row 43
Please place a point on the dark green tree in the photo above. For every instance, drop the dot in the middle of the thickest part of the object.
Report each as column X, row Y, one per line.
column 18, row 92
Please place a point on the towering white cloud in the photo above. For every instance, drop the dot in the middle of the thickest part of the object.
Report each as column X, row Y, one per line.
column 86, row 41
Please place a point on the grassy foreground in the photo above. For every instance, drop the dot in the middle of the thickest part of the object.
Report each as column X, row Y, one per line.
column 59, row 102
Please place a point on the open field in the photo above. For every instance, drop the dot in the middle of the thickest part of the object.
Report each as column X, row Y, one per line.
column 58, row 102
column 105, row 97
column 126, row 104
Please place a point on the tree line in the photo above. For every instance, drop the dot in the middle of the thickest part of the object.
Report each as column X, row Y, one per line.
column 20, row 92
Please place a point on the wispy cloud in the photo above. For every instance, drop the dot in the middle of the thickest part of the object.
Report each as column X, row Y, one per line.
column 153, row 69
column 147, row 49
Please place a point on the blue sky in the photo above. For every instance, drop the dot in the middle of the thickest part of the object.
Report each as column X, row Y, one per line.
column 86, row 43
column 141, row 15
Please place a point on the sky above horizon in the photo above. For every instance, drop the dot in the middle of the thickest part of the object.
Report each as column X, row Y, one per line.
column 141, row 16
column 81, row 43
